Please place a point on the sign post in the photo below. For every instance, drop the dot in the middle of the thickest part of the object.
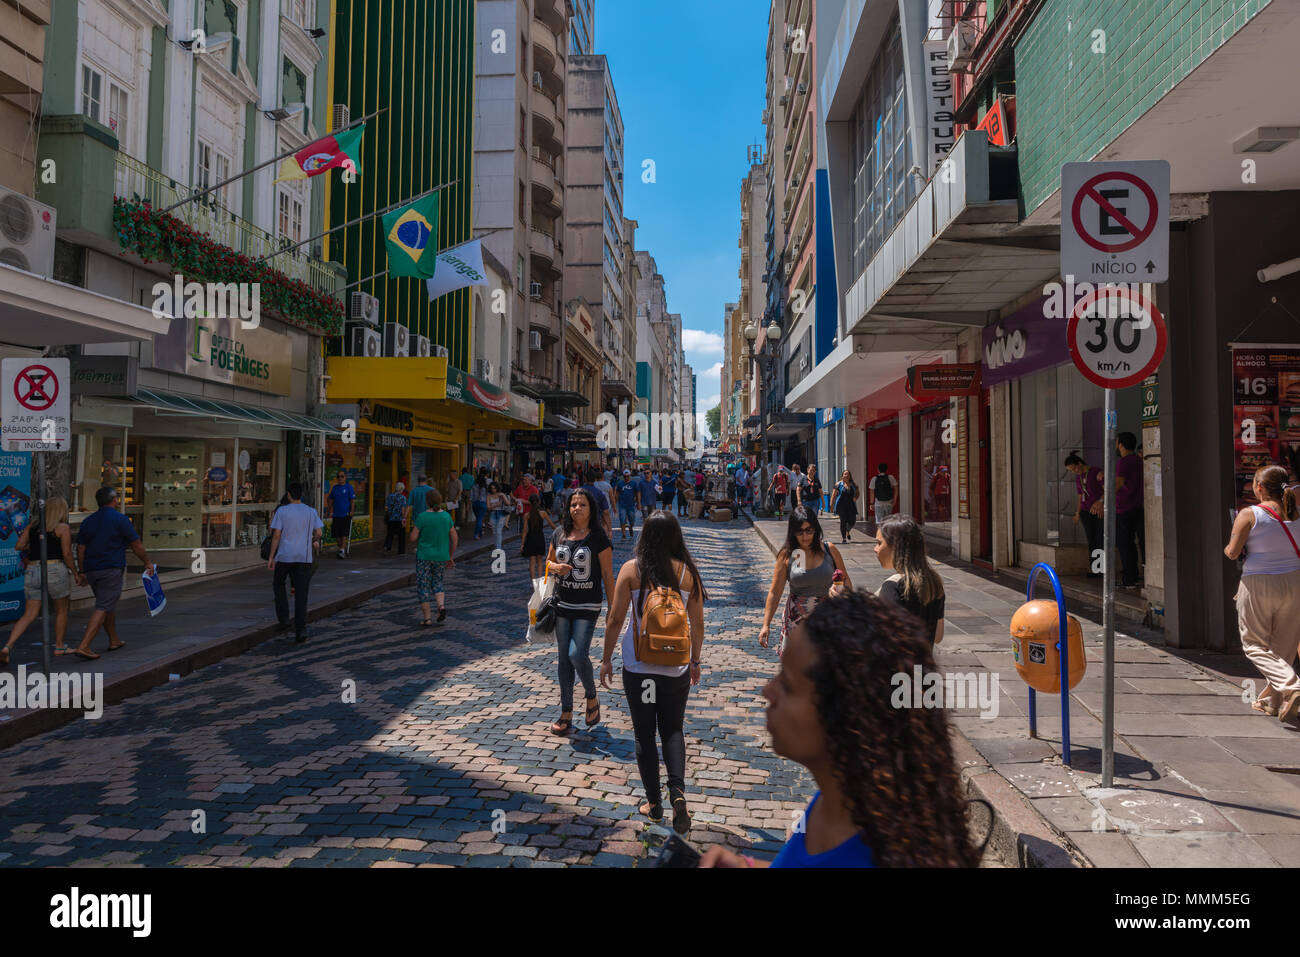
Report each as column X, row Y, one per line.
column 1117, row 338
column 36, row 416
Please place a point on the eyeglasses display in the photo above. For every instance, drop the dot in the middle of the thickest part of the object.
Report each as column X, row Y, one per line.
column 173, row 508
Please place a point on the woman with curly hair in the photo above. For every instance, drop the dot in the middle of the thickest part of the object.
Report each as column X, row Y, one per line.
column 888, row 789
column 809, row 564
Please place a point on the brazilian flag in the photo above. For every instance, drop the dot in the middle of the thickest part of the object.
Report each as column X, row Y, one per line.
column 411, row 235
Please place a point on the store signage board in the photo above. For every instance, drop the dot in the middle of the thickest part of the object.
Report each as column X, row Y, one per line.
column 941, row 380
column 1115, row 221
column 36, row 405
column 1116, row 337
column 1265, row 412
column 220, row 350
column 994, row 123
column 104, row 375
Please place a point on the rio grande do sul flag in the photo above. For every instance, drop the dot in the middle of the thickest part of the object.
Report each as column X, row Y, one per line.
column 339, row 150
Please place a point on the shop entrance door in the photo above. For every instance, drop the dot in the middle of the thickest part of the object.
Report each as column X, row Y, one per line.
column 984, row 550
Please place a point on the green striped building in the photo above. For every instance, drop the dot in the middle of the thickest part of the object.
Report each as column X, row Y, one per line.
column 415, row 58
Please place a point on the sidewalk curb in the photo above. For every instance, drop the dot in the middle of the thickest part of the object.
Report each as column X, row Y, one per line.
column 1020, row 835
column 158, row 672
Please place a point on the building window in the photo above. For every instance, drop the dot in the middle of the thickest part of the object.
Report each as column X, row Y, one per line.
column 523, row 203
column 91, row 86
column 880, row 155
column 203, row 177
column 298, row 12
column 117, row 106
column 523, row 129
column 284, row 213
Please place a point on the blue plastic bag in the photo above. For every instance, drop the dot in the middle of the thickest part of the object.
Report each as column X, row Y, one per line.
column 153, row 592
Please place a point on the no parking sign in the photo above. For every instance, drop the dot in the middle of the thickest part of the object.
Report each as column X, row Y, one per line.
column 35, row 405
column 1115, row 221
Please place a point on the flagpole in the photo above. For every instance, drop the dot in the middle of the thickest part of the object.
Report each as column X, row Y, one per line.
column 378, row 275
column 359, row 219
column 275, row 159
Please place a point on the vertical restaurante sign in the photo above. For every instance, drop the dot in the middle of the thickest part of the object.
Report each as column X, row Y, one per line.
column 941, row 130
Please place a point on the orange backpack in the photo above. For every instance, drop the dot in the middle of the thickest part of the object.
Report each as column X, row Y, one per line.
column 664, row 635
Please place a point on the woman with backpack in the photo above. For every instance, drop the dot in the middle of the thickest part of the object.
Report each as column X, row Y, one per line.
column 1268, row 598
column 844, row 503
column 533, row 546
column 809, row 565
column 780, row 486
column 900, row 545
column 581, row 557
column 889, row 789
column 662, row 595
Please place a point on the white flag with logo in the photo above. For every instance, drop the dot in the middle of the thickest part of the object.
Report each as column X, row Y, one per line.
column 457, row 268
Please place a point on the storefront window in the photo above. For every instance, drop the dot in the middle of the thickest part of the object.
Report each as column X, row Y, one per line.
column 936, row 465
column 101, row 457
column 354, row 459
column 218, row 468
column 258, row 480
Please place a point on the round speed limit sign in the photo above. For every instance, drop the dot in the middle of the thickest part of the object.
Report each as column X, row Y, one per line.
column 1116, row 336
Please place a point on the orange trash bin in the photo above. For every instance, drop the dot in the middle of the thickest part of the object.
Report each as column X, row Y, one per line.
column 1035, row 634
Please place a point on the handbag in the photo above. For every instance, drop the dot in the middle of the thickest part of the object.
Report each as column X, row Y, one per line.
column 543, row 608
column 266, row 547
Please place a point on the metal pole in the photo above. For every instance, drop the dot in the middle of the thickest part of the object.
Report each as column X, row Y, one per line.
column 46, row 654
column 1108, row 602
column 359, row 219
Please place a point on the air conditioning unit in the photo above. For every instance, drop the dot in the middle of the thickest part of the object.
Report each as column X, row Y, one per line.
column 784, row 99
column 397, row 339
column 441, row 352
column 342, row 116
column 961, row 47
column 26, row 233
column 364, row 341
column 420, row 347
column 802, row 88
column 535, row 290
column 365, row 307
column 535, row 341
column 483, row 369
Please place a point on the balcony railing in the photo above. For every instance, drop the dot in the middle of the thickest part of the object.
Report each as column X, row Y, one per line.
column 134, row 180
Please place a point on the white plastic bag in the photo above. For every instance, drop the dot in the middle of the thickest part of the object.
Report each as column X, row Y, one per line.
column 543, row 588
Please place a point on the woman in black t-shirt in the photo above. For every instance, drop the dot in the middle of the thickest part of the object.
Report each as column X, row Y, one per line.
column 917, row 586
column 581, row 557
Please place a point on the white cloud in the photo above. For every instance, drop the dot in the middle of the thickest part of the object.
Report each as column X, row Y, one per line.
column 713, row 372
column 694, row 340
column 710, row 402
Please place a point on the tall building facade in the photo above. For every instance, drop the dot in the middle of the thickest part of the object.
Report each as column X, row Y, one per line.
column 597, row 265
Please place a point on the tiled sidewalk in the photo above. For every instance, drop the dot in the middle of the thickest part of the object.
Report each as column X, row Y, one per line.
column 1201, row 780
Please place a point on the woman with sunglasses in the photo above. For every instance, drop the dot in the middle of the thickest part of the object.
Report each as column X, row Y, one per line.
column 809, row 565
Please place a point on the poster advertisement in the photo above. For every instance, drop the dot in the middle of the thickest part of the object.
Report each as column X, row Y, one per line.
column 15, row 504
column 1265, row 413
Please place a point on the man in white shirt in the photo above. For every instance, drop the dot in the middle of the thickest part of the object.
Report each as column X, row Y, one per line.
column 797, row 482
column 296, row 536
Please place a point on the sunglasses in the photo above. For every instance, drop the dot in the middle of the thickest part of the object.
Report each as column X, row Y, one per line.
column 805, row 531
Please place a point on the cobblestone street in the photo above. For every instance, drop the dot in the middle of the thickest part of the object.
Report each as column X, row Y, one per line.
column 448, row 736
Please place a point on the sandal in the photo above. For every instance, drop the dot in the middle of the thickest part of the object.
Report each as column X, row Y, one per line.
column 653, row 811
column 87, row 655
column 60, row 652
column 4, row 657
column 596, row 708
column 120, row 644
column 1263, row 707
column 562, row 726
column 427, row 623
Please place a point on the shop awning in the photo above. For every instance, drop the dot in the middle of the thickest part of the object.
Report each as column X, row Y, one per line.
column 231, row 411
column 36, row 312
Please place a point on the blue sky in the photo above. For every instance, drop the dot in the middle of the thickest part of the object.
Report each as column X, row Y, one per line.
column 690, row 79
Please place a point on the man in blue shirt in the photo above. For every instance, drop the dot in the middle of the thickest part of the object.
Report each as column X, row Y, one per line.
column 340, row 499
column 417, row 501
column 296, row 534
column 629, row 500
column 102, row 542
column 647, row 492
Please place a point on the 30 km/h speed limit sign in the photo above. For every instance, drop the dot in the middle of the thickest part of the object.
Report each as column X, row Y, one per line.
column 1116, row 337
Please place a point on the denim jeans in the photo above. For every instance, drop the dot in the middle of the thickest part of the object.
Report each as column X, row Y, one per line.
column 480, row 510
column 498, row 525
column 573, row 636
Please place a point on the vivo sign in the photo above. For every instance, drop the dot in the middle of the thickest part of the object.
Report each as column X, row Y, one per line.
column 1024, row 342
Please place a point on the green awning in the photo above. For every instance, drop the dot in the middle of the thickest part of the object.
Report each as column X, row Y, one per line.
column 231, row 411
